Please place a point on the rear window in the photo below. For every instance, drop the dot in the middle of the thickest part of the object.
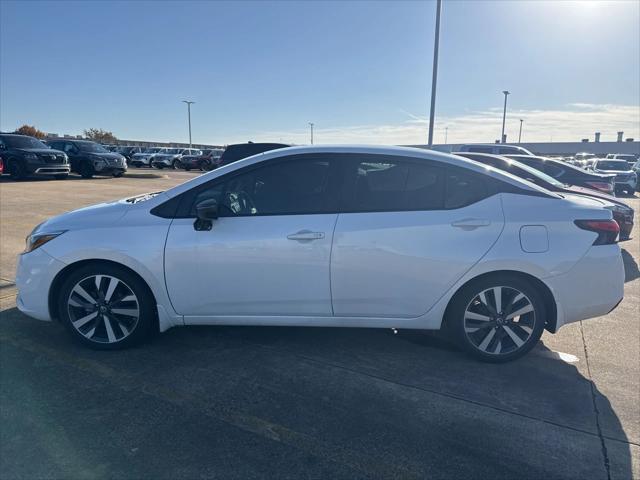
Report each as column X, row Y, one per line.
column 481, row 149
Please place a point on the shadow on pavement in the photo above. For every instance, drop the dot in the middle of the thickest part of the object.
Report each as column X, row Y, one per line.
column 631, row 271
column 265, row 402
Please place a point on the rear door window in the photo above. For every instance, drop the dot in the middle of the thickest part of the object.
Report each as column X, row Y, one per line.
column 380, row 183
column 464, row 188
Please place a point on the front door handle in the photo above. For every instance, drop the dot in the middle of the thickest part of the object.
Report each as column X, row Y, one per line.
column 471, row 223
column 306, row 235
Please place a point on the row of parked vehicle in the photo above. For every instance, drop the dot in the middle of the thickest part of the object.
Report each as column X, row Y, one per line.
column 23, row 156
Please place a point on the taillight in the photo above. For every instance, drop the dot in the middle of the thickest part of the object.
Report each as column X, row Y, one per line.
column 603, row 186
column 607, row 230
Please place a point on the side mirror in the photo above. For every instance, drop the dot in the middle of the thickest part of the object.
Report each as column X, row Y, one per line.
column 206, row 212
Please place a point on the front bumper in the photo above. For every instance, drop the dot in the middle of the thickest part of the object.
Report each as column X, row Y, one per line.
column 34, row 276
column 52, row 170
column 592, row 288
column 167, row 162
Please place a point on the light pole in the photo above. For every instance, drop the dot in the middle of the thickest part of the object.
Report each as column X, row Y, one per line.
column 446, row 134
column 434, row 77
column 311, row 125
column 188, row 102
column 504, row 115
column 520, row 134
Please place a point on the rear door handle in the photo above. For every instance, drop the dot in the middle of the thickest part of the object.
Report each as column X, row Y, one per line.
column 471, row 223
column 306, row 235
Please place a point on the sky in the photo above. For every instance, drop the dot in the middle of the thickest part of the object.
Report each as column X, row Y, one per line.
column 360, row 71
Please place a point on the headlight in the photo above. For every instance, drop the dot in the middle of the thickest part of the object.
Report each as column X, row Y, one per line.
column 36, row 240
column 30, row 156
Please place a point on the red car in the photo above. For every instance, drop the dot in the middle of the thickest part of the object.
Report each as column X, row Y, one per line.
column 209, row 160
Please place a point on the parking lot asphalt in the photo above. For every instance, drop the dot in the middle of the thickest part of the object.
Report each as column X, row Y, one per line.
column 249, row 402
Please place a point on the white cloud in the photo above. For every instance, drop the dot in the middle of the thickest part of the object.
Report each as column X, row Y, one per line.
column 571, row 123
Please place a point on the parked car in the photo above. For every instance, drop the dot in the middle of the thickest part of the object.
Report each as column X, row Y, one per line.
column 209, row 160
column 585, row 156
column 24, row 156
column 171, row 157
column 90, row 158
column 625, row 178
column 627, row 157
column 1, row 166
column 568, row 174
column 494, row 148
column 330, row 236
column 238, row 151
column 145, row 158
column 622, row 213
column 128, row 152
column 636, row 169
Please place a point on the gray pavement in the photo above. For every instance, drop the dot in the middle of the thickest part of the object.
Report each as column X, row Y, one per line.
column 248, row 402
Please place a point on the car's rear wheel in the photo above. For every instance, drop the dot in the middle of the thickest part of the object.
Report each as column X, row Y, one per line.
column 205, row 166
column 106, row 307
column 497, row 319
column 177, row 164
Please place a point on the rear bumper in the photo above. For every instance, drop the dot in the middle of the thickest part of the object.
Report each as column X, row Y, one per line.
column 592, row 288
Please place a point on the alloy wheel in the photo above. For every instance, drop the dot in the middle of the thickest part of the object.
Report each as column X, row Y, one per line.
column 499, row 320
column 103, row 309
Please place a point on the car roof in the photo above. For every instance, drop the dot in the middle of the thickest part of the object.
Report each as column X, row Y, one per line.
column 362, row 149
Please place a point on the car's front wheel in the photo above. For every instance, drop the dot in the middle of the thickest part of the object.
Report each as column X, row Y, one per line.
column 106, row 307
column 497, row 319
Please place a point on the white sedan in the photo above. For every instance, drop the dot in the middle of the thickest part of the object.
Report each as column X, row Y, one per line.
column 330, row 236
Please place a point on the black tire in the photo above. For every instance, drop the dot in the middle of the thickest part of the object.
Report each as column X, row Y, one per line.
column 61, row 176
column 468, row 302
column 118, row 174
column 188, row 169
column 159, row 166
column 17, row 170
column 86, row 170
column 176, row 165
column 206, row 166
column 145, row 323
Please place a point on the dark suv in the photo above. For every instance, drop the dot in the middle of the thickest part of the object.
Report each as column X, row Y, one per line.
column 24, row 156
column 90, row 158
column 236, row 152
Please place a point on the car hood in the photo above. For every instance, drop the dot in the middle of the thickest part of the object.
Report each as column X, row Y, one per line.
column 594, row 194
column 41, row 150
column 102, row 214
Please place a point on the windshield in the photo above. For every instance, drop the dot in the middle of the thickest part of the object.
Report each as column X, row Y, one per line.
column 539, row 174
column 172, row 151
column 617, row 165
column 91, row 147
column 22, row 142
column 152, row 150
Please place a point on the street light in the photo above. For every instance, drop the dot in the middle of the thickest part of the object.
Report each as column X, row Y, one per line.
column 520, row 134
column 434, row 77
column 446, row 134
column 311, row 125
column 504, row 115
column 188, row 102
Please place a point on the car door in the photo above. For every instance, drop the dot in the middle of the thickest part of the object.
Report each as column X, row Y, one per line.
column 268, row 252
column 408, row 231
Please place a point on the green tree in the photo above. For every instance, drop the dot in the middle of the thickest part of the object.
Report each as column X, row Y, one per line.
column 99, row 135
column 31, row 131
